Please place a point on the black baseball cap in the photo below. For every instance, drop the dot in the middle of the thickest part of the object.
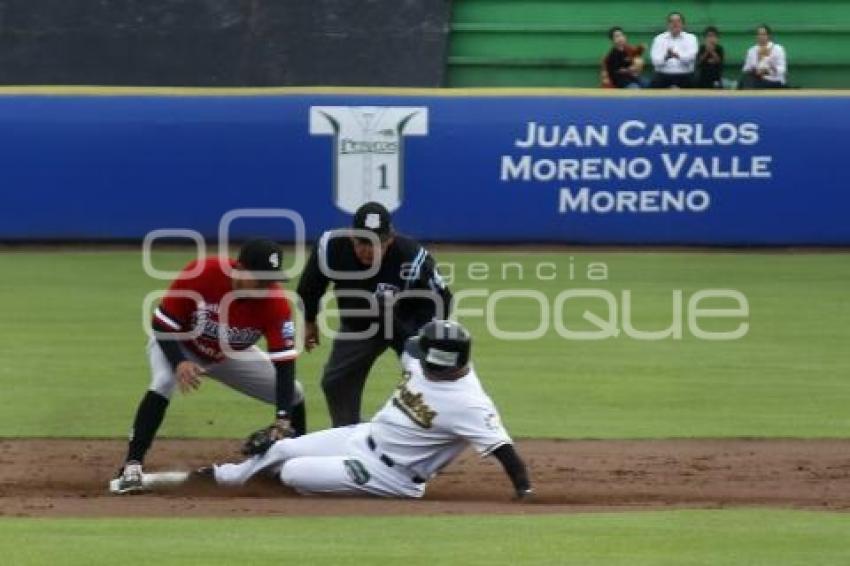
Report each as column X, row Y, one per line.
column 374, row 217
column 262, row 256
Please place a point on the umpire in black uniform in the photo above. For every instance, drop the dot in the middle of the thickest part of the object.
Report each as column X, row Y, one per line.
column 344, row 257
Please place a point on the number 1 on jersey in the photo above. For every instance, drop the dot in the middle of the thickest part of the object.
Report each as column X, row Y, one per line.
column 383, row 170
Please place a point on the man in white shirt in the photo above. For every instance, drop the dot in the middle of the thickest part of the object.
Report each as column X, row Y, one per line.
column 674, row 54
column 437, row 410
column 765, row 65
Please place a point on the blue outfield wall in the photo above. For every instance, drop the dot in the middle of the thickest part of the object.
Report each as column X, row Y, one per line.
column 458, row 166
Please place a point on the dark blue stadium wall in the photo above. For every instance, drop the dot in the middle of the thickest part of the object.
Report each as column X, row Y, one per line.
column 642, row 169
column 223, row 42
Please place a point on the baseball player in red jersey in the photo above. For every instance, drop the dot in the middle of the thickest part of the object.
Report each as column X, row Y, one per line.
column 190, row 330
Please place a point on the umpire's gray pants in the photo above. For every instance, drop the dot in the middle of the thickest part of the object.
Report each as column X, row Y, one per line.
column 254, row 376
column 345, row 374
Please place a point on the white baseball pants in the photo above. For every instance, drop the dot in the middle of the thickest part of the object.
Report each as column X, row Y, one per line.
column 334, row 461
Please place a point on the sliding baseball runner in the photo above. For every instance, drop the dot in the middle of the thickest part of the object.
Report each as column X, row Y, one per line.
column 438, row 409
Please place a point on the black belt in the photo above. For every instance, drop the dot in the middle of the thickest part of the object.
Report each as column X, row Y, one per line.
column 389, row 462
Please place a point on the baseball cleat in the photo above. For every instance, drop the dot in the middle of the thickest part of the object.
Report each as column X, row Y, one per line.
column 202, row 475
column 129, row 480
column 204, row 472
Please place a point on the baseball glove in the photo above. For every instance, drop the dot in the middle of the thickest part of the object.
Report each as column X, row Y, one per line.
column 260, row 441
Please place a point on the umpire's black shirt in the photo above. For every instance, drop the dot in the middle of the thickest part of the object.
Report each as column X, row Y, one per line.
column 406, row 265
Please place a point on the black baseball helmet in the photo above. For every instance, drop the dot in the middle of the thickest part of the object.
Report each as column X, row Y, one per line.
column 442, row 345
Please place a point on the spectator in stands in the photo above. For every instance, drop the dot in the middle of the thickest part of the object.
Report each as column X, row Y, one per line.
column 674, row 54
column 765, row 65
column 622, row 66
column 710, row 60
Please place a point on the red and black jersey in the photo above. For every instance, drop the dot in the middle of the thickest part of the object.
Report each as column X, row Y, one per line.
column 248, row 318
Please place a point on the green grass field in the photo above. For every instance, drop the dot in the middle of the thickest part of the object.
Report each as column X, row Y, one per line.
column 72, row 363
column 72, row 333
column 692, row 538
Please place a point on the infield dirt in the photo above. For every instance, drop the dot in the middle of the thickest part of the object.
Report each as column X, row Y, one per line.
column 47, row 477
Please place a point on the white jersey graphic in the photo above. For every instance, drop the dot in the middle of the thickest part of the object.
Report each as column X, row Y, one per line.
column 420, row 430
column 427, row 424
column 368, row 150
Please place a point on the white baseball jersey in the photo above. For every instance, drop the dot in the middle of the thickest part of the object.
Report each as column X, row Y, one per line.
column 426, row 424
column 422, row 428
column 368, row 150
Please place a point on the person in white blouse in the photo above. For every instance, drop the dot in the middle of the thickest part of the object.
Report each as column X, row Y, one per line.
column 765, row 65
column 674, row 54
